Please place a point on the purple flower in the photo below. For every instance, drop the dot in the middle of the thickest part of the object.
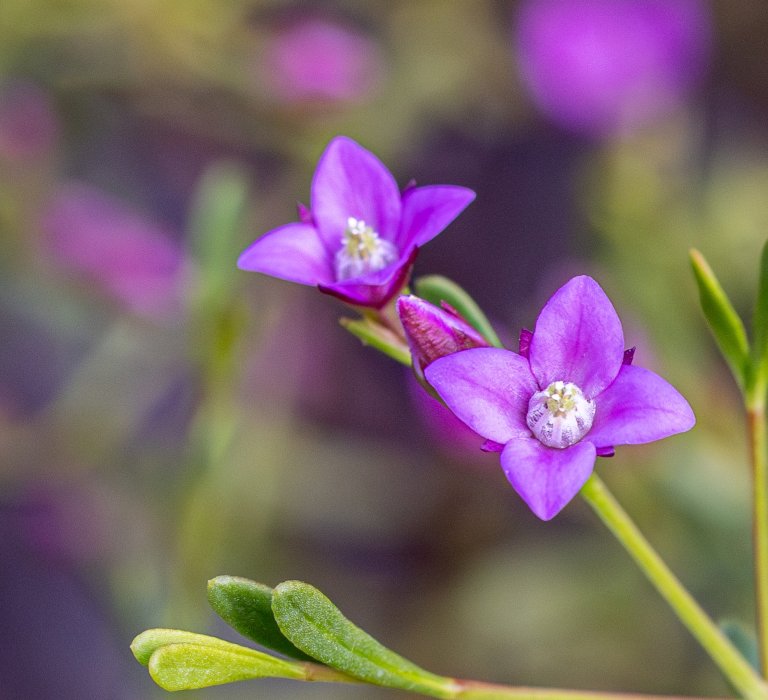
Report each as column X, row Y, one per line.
column 361, row 237
column 453, row 438
column 100, row 238
column 434, row 332
column 573, row 396
column 317, row 59
column 602, row 66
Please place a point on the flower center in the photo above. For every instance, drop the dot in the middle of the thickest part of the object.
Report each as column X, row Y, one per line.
column 560, row 415
column 362, row 251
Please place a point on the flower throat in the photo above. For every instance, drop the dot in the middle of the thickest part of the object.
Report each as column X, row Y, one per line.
column 362, row 251
column 560, row 415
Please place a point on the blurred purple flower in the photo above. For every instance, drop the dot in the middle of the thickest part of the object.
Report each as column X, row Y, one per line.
column 572, row 396
column 100, row 238
column 361, row 237
column 28, row 124
column 434, row 332
column 452, row 437
column 602, row 66
column 318, row 59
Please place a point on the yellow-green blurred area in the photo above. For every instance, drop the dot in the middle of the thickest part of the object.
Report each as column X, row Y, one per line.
column 165, row 417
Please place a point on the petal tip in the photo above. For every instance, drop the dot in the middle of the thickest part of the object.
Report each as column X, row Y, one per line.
column 547, row 479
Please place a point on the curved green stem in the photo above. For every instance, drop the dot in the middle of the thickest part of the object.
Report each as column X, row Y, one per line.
column 756, row 428
column 733, row 665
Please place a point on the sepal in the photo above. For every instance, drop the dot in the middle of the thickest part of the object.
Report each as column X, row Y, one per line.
column 373, row 333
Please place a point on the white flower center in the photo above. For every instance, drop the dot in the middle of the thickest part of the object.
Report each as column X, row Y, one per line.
column 560, row 415
column 362, row 251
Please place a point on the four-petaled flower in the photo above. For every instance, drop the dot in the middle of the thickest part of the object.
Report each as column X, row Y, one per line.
column 570, row 396
column 361, row 237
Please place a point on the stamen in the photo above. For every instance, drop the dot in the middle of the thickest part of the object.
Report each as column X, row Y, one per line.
column 560, row 415
column 362, row 251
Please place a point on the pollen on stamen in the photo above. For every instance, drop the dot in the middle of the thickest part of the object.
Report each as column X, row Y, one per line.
column 362, row 251
column 560, row 415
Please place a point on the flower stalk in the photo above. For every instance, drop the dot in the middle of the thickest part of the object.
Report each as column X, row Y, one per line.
column 474, row 690
column 758, row 443
column 732, row 664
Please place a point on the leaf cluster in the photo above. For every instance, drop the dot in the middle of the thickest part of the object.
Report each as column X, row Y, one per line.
column 295, row 620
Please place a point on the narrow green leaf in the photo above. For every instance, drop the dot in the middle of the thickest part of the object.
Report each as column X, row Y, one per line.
column 723, row 320
column 313, row 623
column 436, row 289
column 247, row 607
column 146, row 643
column 379, row 337
column 743, row 639
column 190, row 666
column 217, row 233
column 760, row 320
column 216, row 224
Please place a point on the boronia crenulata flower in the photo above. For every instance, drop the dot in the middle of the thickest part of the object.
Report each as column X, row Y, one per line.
column 360, row 238
column 571, row 395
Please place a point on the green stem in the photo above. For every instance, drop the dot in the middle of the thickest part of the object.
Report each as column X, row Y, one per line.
column 733, row 665
column 460, row 689
column 756, row 428
column 325, row 674
column 473, row 690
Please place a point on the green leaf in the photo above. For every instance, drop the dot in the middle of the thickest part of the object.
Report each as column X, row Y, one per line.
column 723, row 320
column 190, row 666
column 247, row 607
column 743, row 639
column 217, row 224
column 379, row 337
column 436, row 289
column 146, row 643
column 760, row 320
column 313, row 623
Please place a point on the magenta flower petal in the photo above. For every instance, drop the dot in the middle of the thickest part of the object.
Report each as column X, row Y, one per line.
column 639, row 407
column 487, row 388
column 428, row 210
column 578, row 338
column 293, row 252
column 547, row 479
column 352, row 182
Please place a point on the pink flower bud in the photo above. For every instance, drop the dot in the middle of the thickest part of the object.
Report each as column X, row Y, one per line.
column 433, row 332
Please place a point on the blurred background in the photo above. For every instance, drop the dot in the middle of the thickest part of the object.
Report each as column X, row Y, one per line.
column 165, row 417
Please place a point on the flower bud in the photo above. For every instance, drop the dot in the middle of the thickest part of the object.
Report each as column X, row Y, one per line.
column 434, row 332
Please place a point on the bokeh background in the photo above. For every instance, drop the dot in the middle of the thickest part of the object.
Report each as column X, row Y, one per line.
column 165, row 417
